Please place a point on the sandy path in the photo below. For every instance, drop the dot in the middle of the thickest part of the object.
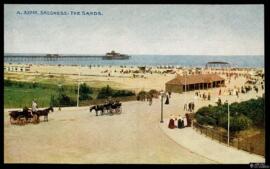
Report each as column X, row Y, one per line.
column 81, row 137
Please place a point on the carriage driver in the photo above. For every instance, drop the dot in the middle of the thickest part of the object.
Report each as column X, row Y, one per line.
column 34, row 106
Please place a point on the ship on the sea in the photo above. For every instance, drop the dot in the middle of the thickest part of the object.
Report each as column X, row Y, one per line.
column 113, row 55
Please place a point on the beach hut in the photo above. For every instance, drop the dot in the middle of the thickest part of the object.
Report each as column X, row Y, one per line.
column 194, row 82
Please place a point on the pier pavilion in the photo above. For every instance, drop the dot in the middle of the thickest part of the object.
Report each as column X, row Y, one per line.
column 221, row 65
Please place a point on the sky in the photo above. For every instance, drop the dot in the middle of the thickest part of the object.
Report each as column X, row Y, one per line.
column 136, row 29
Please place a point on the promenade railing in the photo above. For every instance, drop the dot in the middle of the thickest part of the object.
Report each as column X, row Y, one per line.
column 253, row 144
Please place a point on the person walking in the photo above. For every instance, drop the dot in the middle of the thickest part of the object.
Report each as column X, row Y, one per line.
column 185, row 106
column 193, row 106
column 167, row 100
column 189, row 107
column 150, row 101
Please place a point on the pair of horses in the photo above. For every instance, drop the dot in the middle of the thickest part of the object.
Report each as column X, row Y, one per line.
column 110, row 107
column 44, row 113
column 27, row 114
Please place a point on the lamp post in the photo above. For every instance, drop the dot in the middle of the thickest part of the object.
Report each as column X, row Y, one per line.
column 78, row 95
column 162, row 95
column 228, row 142
column 185, row 74
column 59, row 86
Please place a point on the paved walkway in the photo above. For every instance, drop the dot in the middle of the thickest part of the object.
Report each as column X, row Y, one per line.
column 205, row 146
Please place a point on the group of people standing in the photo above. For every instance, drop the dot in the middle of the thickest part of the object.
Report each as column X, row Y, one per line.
column 179, row 122
column 189, row 107
column 204, row 96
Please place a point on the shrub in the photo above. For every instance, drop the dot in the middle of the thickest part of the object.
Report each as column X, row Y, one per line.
column 153, row 93
column 21, row 85
column 53, row 101
column 34, row 85
column 201, row 119
column 250, row 112
column 62, row 99
column 65, row 100
column 142, row 95
column 7, row 82
column 85, row 92
column 121, row 93
column 105, row 92
column 240, row 122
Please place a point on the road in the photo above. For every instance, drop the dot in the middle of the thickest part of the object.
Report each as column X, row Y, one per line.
column 78, row 136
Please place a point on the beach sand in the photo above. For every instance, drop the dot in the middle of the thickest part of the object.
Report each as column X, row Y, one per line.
column 99, row 76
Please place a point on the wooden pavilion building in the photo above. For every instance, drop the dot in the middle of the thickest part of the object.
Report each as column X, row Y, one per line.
column 194, row 82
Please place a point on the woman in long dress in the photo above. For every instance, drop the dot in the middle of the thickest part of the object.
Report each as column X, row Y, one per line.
column 180, row 122
column 175, row 122
column 185, row 121
column 167, row 100
column 171, row 123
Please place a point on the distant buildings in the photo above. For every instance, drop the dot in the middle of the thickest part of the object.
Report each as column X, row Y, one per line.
column 194, row 82
column 16, row 68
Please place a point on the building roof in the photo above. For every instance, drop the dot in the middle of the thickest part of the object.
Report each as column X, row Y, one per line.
column 194, row 79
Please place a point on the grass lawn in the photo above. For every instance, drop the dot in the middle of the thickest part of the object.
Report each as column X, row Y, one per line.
column 20, row 93
column 16, row 97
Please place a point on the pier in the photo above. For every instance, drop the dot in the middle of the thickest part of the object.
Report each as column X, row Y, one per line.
column 25, row 58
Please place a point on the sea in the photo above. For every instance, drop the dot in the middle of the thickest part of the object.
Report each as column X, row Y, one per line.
column 246, row 61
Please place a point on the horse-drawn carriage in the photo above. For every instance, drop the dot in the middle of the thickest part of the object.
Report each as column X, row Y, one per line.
column 113, row 107
column 27, row 116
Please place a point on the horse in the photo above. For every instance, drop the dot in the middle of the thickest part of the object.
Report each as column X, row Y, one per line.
column 97, row 108
column 44, row 113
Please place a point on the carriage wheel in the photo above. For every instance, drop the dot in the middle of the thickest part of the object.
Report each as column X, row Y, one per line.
column 12, row 120
column 38, row 120
column 21, row 120
column 35, row 119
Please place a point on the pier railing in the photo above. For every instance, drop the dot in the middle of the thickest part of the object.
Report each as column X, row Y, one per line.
column 249, row 144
